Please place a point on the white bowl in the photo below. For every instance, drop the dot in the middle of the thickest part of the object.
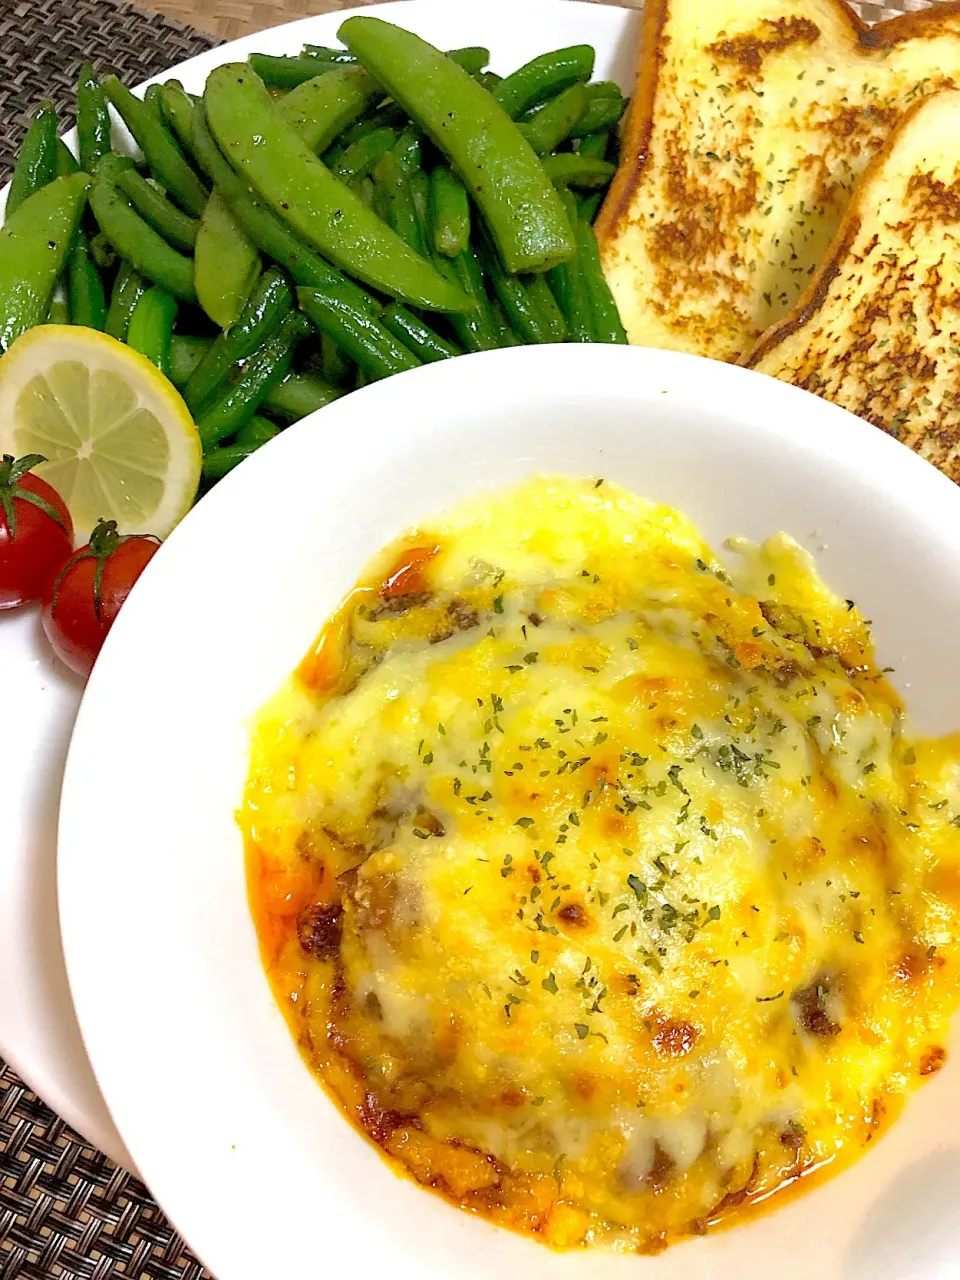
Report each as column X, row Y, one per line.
column 234, row 1135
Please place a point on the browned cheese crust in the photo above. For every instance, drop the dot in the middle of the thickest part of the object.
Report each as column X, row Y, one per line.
column 878, row 331
column 750, row 125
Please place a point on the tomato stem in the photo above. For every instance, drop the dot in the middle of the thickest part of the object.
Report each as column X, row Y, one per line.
column 12, row 471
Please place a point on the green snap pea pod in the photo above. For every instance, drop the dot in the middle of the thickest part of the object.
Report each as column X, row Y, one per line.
column 387, row 116
column 128, row 288
column 544, row 77
column 539, row 291
column 522, row 308
column 287, row 72
column 322, row 107
column 601, row 113
column 34, row 243
column 419, row 184
column 488, row 151
column 66, row 160
column 360, row 158
column 364, row 339
column 337, row 368
column 328, row 54
column 223, row 458
column 178, row 110
column 363, row 189
column 59, row 312
column 607, row 325
column 239, row 400
column 472, row 59
column 553, row 123
column 505, row 335
column 176, row 227
column 151, row 327
column 257, row 431
column 138, row 243
column 87, row 300
column 449, row 213
column 417, row 336
column 152, row 98
column 93, row 119
column 476, row 329
column 401, row 211
column 226, row 266
column 305, row 194
column 408, row 150
column 489, row 80
column 261, row 318
column 37, row 162
column 566, row 282
column 299, row 394
column 595, row 145
column 158, row 146
column 589, row 206
column 271, row 236
column 185, row 354
column 579, row 171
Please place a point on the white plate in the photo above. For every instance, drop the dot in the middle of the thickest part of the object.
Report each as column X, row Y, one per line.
column 252, row 1161
column 38, row 1030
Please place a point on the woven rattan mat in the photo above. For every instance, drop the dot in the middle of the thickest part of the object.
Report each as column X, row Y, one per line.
column 66, row 1210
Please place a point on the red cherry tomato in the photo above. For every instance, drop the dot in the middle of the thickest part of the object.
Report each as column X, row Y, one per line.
column 83, row 602
column 36, row 532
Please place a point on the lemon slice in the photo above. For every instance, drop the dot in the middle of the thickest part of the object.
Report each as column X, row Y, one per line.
column 119, row 441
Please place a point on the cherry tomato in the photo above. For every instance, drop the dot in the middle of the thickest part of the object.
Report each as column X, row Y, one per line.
column 86, row 596
column 36, row 532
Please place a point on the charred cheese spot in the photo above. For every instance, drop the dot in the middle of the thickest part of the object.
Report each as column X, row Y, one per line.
column 599, row 882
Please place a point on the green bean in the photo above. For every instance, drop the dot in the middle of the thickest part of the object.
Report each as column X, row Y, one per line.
column 185, row 354
column 539, row 292
column 264, row 228
column 223, row 458
column 324, row 54
column 261, row 318
column 363, row 189
column 401, row 211
column 408, row 150
column 364, row 339
column 34, row 243
column 566, row 282
column 158, row 146
column 37, row 162
column 489, row 80
column 578, row 171
column 589, row 206
column 239, row 400
column 137, row 242
column 87, row 300
column 93, row 119
column 286, row 72
column 151, row 327
column 476, row 329
column 176, row 227
column 522, row 307
column 178, row 110
column 419, row 184
column 66, row 160
column 322, row 107
column 257, row 431
column 226, row 266
column 336, row 366
column 59, row 312
column 544, row 77
column 553, row 123
column 387, row 116
column 472, row 59
column 361, row 157
column 300, row 394
column 487, row 150
column 505, row 335
column 601, row 113
column 417, row 336
column 449, row 213
column 607, row 325
column 152, row 98
column 595, row 145
column 305, row 194
column 128, row 288
column 103, row 252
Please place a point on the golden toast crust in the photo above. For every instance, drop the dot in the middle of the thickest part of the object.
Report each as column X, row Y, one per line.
column 878, row 330
column 693, row 254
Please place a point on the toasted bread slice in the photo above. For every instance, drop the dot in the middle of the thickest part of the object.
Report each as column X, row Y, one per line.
column 751, row 122
column 878, row 331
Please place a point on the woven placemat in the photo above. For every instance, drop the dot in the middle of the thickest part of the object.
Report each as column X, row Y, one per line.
column 66, row 1210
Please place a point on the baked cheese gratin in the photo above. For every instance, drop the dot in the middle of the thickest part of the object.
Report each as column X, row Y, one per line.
column 600, row 884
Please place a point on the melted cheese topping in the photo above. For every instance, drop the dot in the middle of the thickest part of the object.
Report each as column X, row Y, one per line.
column 604, row 891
